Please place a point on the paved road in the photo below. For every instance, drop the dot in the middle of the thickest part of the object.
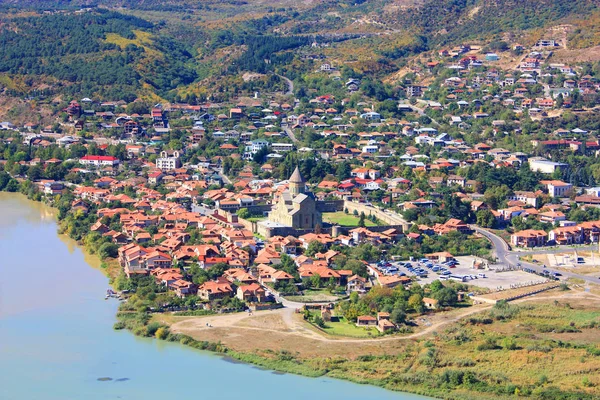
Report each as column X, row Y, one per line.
column 200, row 209
column 421, row 112
column 290, row 132
column 511, row 258
column 224, row 177
column 289, row 83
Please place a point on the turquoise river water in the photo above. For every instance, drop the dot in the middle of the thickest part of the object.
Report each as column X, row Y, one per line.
column 57, row 341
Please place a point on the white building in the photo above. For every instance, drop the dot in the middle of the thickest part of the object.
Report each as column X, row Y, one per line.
column 538, row 164
column 282, row 147
column 166, row 162
column 105, row 161
column 557, row 188
column 370, row 149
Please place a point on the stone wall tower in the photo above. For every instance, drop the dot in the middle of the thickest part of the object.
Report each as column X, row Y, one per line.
column 296, row 183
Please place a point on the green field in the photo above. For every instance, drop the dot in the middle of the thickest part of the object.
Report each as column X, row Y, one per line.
column 342, row 327
column 343, row 219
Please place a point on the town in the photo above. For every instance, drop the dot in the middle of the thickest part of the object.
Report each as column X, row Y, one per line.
column 395, row 193
column 241, row 205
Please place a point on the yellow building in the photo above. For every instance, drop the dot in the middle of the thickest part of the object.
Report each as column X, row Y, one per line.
column 296, row 206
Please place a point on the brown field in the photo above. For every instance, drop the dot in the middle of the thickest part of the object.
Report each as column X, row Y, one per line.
column 286, row 330
column 505, row 294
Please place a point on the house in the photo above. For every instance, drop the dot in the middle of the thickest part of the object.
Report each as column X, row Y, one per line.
column 567, row 235
column 383, row 322
column 529, row 198
column 366, row 320
column 213, row 290
column 414, row 91
column 168, row 162
column 356, row 283
column 455, row 180
column 451, row 225
column 529, row 238
column 393, row 280
column 99, row 161
column 538, row 164
column 551, row 217
column 53, row 188
column 183, row 288
column 252, row 293
column 326, row 313
column 557, row 188
column 155, row 178
column 440, row 257
column 431, row 304
column 371, row 116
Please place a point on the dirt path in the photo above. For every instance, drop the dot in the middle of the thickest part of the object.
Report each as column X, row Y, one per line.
column 284, row 329
column 283, row 322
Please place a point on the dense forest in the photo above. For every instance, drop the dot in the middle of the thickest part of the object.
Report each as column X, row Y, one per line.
column 192, row 48
column 73, row 48
column 448, row 21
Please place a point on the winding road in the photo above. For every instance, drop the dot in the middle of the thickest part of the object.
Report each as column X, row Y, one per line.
column 511, row 258
column 290, row 85
column 421, row 112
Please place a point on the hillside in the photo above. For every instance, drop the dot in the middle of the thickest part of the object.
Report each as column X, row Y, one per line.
column 101, row 52
column 185, row 49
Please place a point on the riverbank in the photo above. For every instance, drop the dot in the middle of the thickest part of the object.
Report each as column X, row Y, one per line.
column 57, row 340
column 550, row 351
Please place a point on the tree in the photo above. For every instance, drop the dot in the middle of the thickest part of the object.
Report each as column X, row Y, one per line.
column 315, row 280
column 315, row 247
column 436, row 286
column 486, row 219
column 398, row 315
column 319, row 321
column 415, row 302
column 357, row 267
column 287, row 264
column 361, row 220
column 343, row 171
column 108, row 250
column 243, row 213
column 162, row 333
column 446, row 296
column 34, row 173
column 12, row 186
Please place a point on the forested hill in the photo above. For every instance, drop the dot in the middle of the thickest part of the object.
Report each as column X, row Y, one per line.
column 448, row 21
column 172, row 49
column 163, row 5
column 100, row 52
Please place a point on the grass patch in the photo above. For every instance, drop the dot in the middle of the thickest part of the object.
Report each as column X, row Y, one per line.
column 344, row 328
column 343, row 219
column 142, row 39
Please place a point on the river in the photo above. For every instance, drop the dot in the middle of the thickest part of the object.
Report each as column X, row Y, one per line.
column 57, row 341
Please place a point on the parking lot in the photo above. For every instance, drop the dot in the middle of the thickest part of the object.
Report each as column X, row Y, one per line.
column 463, row 269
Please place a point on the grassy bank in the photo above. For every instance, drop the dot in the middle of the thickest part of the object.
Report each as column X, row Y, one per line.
column 539, row 351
